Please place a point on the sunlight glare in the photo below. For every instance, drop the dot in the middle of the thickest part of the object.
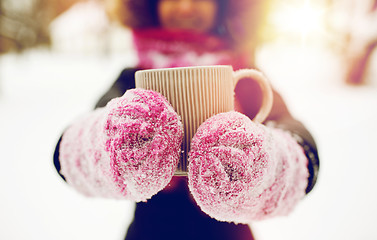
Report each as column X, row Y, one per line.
column 298, row 19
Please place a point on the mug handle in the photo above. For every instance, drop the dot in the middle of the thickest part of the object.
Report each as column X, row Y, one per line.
column 266, row 90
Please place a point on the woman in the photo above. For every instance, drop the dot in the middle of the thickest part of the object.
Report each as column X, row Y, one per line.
column 174, row 33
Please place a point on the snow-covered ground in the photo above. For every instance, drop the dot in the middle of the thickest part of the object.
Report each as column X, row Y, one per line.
column 41, row 92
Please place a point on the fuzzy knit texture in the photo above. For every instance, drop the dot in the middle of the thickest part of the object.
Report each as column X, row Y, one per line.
column 128, row 149
column 240, row 171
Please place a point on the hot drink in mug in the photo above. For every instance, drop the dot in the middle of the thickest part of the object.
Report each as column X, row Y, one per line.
column 198, row 93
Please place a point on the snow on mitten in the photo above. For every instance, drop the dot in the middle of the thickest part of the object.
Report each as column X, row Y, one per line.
column 129, row 149
column 240, row 171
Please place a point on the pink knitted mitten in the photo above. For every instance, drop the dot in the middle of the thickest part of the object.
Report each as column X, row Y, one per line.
column 241, row 171
column 129, row 149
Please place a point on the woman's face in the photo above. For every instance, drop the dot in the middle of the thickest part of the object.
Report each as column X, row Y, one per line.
column 198, row 15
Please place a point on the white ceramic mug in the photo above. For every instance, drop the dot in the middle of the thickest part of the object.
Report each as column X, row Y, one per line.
column 198, row 93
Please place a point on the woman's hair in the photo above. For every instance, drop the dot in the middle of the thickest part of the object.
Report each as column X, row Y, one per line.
column 240, row 21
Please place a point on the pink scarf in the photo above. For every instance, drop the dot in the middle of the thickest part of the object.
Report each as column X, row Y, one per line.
column 159, row 48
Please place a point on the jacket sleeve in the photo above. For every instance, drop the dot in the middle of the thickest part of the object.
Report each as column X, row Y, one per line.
column 125, row 81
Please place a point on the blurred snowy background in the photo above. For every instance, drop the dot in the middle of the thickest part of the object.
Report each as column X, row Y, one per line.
column 311, row 61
